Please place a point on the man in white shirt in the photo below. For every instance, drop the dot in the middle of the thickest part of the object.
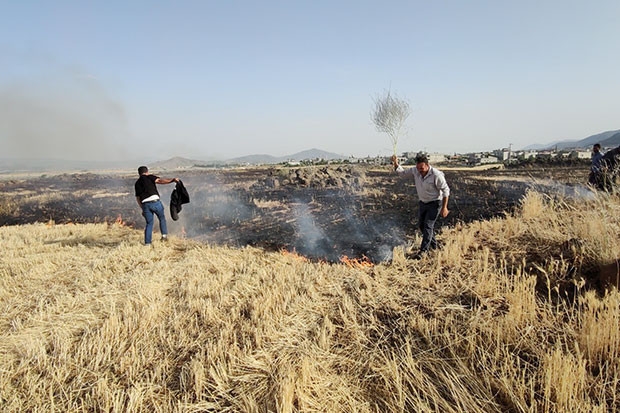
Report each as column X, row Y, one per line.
column 433, row 194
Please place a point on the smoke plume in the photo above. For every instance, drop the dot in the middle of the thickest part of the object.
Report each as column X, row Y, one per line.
column 64, row 116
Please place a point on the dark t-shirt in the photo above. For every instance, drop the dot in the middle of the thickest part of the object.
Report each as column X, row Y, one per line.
column 145, row 186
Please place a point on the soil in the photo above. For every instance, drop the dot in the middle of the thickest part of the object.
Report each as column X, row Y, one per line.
column 322, row 212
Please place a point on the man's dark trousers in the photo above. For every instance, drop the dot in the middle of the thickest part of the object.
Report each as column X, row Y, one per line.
column 428, row 212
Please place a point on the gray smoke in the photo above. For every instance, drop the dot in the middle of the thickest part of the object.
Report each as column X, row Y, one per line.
column 310, row 239
column 64, row 116
column 563, row 190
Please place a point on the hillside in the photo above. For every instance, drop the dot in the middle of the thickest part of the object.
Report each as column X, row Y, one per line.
column 299, row 156
column 513, row 314
column 176, row 162
column 611, row 142
column 255, row 159
column 607, row 139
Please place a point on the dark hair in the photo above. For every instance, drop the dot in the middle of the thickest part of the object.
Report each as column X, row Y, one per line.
column 142, row 170
column 597, row 145
column 421, row 158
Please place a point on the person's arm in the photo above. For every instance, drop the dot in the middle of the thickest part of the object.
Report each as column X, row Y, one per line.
column 442, row 185
column 138, row 201
column 397, row 167
column 395, row 161
column 165, row 181
column 444, row 207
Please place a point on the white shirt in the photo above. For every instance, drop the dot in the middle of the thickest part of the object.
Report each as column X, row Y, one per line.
column 431, row 187
column 151, row 198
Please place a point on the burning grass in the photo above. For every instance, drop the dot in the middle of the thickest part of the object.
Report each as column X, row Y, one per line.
column 511, row 315
column 363, row 262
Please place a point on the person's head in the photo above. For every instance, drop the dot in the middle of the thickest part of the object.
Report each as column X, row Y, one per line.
column 143, row 170
column 596, row 147
column 421, row 163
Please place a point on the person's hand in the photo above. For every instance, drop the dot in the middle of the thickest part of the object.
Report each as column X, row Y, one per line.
column 444, row 212
column 176, row 179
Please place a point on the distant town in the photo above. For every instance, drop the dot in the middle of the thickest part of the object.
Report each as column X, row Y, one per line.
column 508, row 156
column 558, row 153
column 504, row 156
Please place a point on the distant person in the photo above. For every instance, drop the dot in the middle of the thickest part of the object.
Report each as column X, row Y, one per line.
column 596, row 168
column 433, row 193
column 147, row 197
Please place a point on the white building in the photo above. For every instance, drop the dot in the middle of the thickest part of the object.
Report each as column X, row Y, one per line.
column 503, row 154
column 482, row 159
column 581, row 154
column 436, row 158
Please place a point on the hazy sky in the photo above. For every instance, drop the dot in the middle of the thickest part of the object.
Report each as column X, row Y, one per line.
column 220, row 79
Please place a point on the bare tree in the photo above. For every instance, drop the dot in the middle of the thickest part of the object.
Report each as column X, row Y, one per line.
column 389, row 115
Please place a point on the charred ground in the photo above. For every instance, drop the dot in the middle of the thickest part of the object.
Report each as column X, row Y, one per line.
column 323, row 212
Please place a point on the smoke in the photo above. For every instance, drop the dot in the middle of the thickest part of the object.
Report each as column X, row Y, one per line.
column 216, row 212
column 323, row 225
column 63, row 116
column 377, row 236
column 331, row 226
column 310, row 239
column 563, row 190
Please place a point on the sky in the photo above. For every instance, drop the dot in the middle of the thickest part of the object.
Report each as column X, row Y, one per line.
column 149, row 80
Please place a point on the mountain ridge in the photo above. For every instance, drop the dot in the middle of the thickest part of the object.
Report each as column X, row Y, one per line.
column 606, row 139
column 299, row 156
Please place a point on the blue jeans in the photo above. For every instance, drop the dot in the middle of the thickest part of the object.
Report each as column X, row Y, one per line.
column 148, row 209
column 428, row 212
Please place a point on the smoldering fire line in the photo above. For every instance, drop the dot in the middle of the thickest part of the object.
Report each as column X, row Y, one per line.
column 304, row 227
column 366, row 214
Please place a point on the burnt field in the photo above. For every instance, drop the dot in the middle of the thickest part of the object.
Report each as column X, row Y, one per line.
column 322, row 212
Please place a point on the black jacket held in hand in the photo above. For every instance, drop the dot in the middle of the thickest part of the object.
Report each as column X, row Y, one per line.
column 178, row 197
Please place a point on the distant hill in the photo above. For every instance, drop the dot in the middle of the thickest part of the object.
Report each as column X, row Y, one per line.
column 258, row 159
column 175, row 163
column 606, row 139
column 611, row 142
column 254, row 159
column 299, row 156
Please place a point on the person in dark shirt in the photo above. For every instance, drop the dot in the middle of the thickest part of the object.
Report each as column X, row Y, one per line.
column 596, row 168
column 147, row 197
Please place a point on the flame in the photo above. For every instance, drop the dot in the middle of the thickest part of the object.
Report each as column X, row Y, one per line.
column 294, row 254
column 183, row 233
column 363, row 262
column 119, row 221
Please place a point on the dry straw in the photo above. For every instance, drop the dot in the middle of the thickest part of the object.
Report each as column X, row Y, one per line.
column 511, row 315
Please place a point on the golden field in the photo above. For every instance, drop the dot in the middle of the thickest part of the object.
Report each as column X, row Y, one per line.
column 517, row 314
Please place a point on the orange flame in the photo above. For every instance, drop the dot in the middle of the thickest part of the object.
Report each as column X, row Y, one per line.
column 363, row 262
column 119, row 221
column 183, row 233
column 294, row 254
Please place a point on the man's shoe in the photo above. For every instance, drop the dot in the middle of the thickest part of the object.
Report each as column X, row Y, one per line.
column 164, row 237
